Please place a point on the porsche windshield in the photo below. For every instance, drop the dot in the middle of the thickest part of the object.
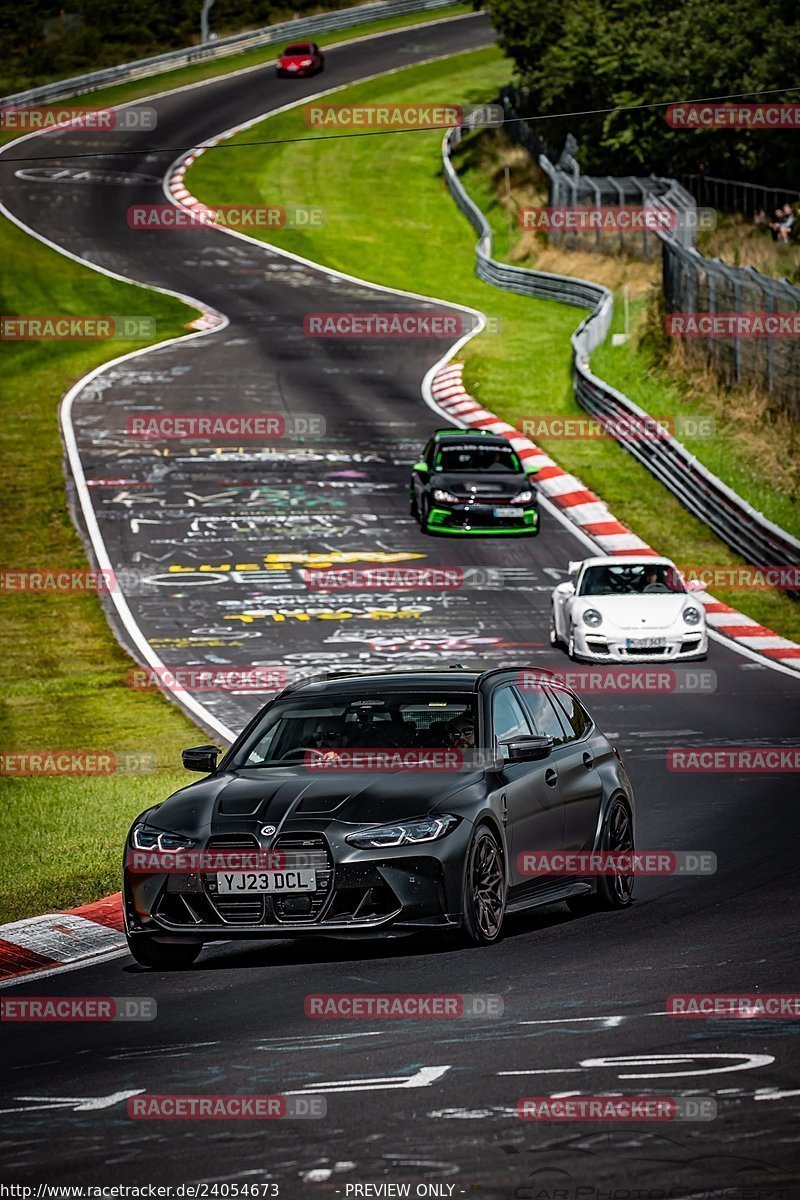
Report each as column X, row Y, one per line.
column 475, row 459
column 407, row 720
column 631, row 579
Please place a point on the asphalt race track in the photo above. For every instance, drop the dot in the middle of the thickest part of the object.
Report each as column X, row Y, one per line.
column 584, row 997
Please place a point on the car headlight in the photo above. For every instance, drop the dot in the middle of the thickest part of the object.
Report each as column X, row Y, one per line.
column 404, row 833
column 143, row 838
column 523, row 498
column 592, row 618
column 306, row 62
column 446, row 497
column 692, row 616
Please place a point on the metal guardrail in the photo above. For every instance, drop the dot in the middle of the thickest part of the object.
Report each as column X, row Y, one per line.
column 736, row 196
column 758, row 540
column 78, row 85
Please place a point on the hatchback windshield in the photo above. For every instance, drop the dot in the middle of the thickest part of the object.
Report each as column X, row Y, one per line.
column 631, row 579
column 407, row 720
column 467, row 457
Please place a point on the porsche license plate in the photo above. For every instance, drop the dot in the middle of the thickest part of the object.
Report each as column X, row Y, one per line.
column 651, row 643
column 266, row 881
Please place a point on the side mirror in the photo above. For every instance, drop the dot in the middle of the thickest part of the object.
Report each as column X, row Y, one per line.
column 528, row 749
column 531, row 468
column 421, row 467
column 200, row 758
column 695, row 585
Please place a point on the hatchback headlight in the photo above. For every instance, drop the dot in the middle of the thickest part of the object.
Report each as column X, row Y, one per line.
column 404, row 833
column 692, row 616
column 445, row 497
column 523, row 498
column 592, row 618
column 143, row 838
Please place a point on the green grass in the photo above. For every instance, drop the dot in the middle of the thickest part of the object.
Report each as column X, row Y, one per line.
column 63, row 672
column 391, row 220
column 181, row 76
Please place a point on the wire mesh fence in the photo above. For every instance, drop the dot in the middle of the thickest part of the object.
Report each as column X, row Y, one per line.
column 742, row 325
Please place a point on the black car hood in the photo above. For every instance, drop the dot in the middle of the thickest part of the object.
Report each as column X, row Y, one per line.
column 484, row 483
column 274, row 795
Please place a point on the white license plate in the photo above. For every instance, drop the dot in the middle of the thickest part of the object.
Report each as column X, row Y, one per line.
column 508, row 512
column 644, row 643
column 267, row 881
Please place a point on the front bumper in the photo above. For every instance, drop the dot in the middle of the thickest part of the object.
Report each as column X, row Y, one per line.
column 592, row 645
column 473, row 519
column 358, row 892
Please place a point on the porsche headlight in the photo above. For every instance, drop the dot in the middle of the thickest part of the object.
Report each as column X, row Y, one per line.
column 444, row 497
column 404, row 833
column 143, row 838
column 692, row 616
column 592, row 618
column 523, row 498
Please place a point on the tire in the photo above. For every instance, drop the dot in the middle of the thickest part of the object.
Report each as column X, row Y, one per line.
column 412, row 505
column 571, row 646
column 423, row 513
column 613, row 891
column 163, row 955
column 484, row 898
column 555, row 640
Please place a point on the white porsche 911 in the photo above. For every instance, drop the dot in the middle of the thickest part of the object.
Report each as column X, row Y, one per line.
column 627, row 607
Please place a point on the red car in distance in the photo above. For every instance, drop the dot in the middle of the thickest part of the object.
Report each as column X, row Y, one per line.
column 301, row 58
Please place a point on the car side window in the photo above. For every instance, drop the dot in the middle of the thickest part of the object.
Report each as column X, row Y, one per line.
column 545, row 717
column 576, row 716
column 427, row 453
column 508, row 717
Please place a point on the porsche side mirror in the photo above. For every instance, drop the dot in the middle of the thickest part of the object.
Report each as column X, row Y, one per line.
column 695, row 585
column 528, row 749
column 200, row 758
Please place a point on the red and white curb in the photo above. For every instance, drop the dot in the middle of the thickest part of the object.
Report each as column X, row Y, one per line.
column 57, row 940
column 592, row 516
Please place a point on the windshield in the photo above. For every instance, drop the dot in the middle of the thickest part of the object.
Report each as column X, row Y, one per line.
column 631, row 579
column 407, row 720
column 471, row 457
column 294, row 50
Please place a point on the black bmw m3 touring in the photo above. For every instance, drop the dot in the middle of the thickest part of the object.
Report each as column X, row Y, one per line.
column 383, row 805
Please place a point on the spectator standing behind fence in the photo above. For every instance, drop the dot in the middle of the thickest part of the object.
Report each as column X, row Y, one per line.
column 783, row 224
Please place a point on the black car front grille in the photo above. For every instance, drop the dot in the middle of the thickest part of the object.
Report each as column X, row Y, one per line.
column 209, row 907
